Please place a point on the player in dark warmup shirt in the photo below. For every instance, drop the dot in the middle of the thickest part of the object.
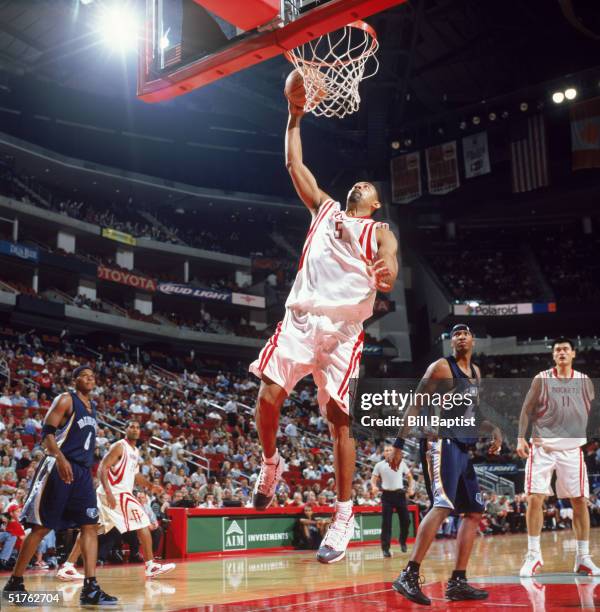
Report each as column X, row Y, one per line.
column 453, row 485
column 62, row 492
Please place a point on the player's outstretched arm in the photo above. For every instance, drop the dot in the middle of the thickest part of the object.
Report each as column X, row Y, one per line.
column 304, row 181
column 385, row 267
column 60, row 408
column 111, row 458
column 528, row 408
column 437, row 372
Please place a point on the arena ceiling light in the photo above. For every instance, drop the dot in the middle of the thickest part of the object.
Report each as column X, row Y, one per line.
column 558, row 97
column 570, row 93
column 119, row 26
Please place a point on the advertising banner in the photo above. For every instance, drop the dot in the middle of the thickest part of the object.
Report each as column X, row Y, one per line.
column 502, row 310
column 124, row 277
column 253, row 532
column 200, row 293
column 117, row 236
column 14, row 249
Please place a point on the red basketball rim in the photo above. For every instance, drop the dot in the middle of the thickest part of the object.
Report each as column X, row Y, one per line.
column 359, row 25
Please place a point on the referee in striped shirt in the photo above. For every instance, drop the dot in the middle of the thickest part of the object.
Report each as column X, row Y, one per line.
column 393, row 498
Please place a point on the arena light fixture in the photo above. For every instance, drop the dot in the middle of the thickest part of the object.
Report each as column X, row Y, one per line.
column 473, row 304
column 570, row 93
column 395, row 145
column 492, row 116
column 119, row 27
column 524, row 107
column 476, row 120
column 558, row 97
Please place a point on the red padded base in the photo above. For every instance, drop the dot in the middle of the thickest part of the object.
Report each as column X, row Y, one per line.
column 245, row 14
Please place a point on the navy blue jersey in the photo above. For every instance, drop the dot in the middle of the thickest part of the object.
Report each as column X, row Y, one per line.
column 77, row 438
column 466, row 386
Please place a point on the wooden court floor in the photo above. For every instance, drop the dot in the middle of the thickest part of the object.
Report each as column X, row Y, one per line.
column 295, row 581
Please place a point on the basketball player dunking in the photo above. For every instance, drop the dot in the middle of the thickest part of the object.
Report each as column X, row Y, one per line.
column 62, row 492
column 118, row 507
column 347, row 257
column 558, row 404
column 450, row 477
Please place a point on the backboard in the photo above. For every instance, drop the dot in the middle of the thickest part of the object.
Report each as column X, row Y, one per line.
column 190, row 43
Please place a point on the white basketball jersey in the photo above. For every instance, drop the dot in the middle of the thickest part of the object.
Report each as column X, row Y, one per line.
column 562, row 415
column 121, row 476
column 332, row 274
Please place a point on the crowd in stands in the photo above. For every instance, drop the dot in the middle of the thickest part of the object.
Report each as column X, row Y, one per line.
column 561, row 258
column 488, row 276
column 569, row 260
column 193, row 421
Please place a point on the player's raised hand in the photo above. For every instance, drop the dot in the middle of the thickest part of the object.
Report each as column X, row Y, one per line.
column 65, row 471
column 396, row 459
column 522, row 448
column 496, row 444
column 380, row 273
column 295, row 110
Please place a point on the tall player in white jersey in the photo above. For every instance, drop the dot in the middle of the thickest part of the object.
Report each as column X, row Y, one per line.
column 557, row 404
column 347, row 257
column 118, row 507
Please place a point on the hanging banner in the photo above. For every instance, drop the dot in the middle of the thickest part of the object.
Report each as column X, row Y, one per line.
column 585, row 134
column 406, row 178
column 476, row 154
column 442, row 168
column 117, row 236
column 126, row 278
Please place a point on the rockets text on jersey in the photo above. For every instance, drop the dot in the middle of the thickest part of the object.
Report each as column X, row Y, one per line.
column 560, row 421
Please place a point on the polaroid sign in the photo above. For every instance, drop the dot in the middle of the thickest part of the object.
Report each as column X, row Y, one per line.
column 502, row 310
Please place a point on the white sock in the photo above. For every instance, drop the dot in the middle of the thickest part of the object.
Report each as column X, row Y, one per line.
column 533, row 543
column 273, row 459
column 583, row 548
column 67, row 564
column 344, row 509
column 149, row 563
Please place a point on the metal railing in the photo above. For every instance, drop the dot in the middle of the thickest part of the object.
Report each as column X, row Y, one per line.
column 492, row 482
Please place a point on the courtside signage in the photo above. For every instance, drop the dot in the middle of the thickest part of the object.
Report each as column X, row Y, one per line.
column 234, row 533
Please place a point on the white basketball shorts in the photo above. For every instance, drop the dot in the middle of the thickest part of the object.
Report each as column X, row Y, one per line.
column 128, row 515
column 305, row 343
column 571, row 472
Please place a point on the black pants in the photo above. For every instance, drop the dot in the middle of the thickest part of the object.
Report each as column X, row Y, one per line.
column 393, row 501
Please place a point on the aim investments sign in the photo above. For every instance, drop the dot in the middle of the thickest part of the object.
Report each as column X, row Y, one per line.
column 234, row 533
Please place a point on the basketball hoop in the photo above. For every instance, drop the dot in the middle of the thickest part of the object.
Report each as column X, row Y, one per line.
column 333, row 66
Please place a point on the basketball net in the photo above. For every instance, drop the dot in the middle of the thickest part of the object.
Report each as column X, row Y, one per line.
column 333, row 66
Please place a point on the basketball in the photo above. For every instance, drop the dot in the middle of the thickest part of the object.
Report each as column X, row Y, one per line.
column 294, row 88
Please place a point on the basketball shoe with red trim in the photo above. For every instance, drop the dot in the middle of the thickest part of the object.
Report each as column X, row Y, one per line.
column 69, row 572
column 336, row 540
column 266, row 483
column 585, row 566
column 533, row 562
column 153, row 570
